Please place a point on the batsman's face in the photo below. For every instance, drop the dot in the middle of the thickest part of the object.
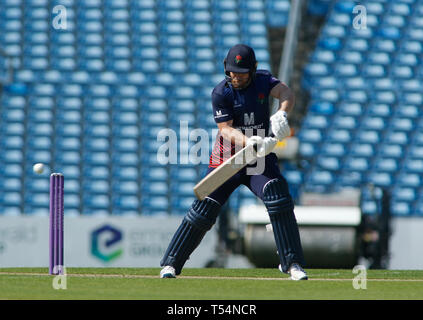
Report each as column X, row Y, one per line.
column 239, row 80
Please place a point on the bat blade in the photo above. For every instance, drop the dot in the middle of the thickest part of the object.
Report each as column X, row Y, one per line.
column 224, row 172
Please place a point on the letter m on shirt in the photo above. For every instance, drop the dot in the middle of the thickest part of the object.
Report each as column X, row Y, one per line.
column 249, row 119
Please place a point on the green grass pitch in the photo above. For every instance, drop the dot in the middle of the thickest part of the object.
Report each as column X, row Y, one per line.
column 209, row 284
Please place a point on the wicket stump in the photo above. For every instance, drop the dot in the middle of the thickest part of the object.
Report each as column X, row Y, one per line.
column 56, row 223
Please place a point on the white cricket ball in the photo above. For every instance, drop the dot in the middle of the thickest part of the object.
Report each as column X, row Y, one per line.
column 38, row 168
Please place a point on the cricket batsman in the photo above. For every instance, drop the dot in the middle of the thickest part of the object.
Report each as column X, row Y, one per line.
column 241, row 111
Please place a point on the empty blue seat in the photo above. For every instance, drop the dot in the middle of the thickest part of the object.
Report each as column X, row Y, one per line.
column 11, row 185
column 390, row 32
column 359, row 96
column 14, row 116
column 322, row 107
column 344, row 122
column 379, row 109
column 388, row 97
column 330, row 95
column 323, row 56
column 182, row 188
column 12, row 156
column 400, row 209
column 386, row 165
column 336, row 31
column 292, row 176
column 96, row 144
column 412, row 46
column 146, row 66
column 333, row 149
column 310, row 135
column 354, row 83
column 338, row 136
column 379, row 58
column 415, row 34
column 328, row 163
column 360, row 45
column 394, row 151
column 96, row 187
column 357, row 164
column 400, row 138
column 96, row 172
column 321, row 178
column 40, row 143
column 404, row 194
column 125, row 159
column 307, row 149
column 12, row 128
column 184, row 174
column 95, row 158
column 380, row 179
column 408, row 59
column 373, row 123
column 368, row 136
column 126, row 205
column 347, row 110
column 410, row 85
column 96, row 203
column 330, row 43
column 384, row 44
column 14, row 102
column 41, row 116
column 362, row 150
column 12, row 142
column 412, row 98
column 374, row 71
column 402, row 124
column 316, row 69
column 154, row 188
column 351, row 56
column 404, row 72
column 154, row 205
column 345, row 70
column 400, row 8
column 315, row 121
column 412, row 180
column 154, row 173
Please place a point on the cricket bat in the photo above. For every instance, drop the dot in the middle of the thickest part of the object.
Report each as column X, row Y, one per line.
column 225, row 171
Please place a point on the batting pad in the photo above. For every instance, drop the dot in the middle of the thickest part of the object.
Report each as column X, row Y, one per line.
column 285, row 229
column 199, row 219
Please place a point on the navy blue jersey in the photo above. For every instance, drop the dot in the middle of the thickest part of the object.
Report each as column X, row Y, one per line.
column 248, row 108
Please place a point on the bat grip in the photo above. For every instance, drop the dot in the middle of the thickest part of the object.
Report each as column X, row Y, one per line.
column 272, row 135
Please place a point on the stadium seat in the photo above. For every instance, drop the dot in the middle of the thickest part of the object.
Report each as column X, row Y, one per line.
column 100, row 91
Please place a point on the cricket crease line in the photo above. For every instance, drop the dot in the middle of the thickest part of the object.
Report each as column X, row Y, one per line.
column 134, row 276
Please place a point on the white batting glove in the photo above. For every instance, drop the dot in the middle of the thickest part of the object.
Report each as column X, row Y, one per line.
column 279, row 125
column 264, row 145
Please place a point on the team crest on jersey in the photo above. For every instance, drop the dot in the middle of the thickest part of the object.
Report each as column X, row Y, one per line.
column 238, row 59
column 261, row 98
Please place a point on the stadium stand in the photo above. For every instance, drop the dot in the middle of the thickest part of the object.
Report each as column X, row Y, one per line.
column 100, row 89
column 363, row 124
